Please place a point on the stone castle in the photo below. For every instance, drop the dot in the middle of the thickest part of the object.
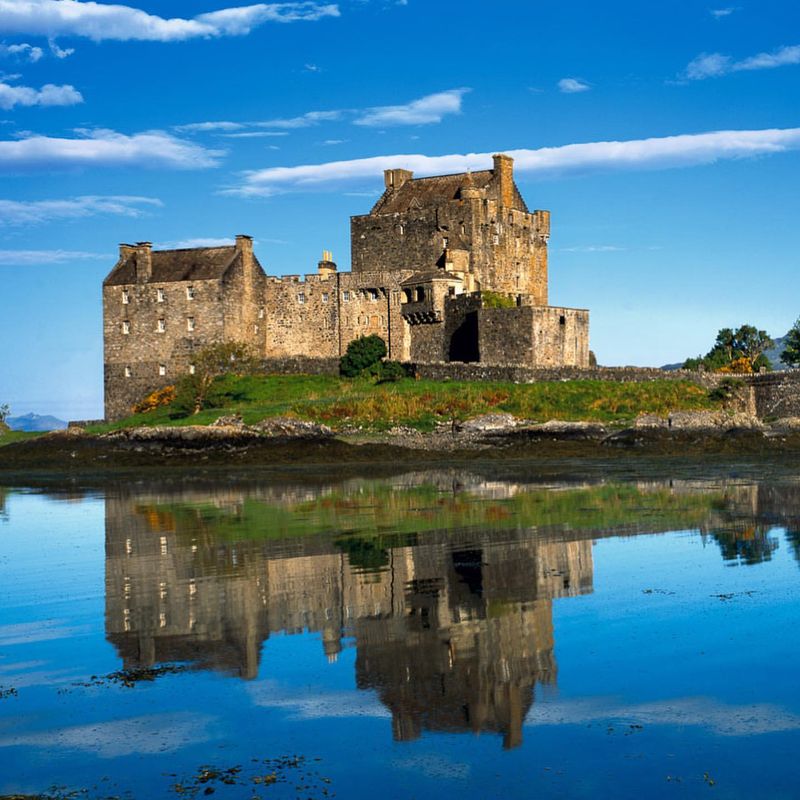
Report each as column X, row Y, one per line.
column 451, row 268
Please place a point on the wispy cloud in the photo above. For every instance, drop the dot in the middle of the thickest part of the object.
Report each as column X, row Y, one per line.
column 594, row 248
column 424, row 111
column 306, row 120
column 714, row 65
column 573, row 86
column 254, row 134
column 720, row 13
column 25, row 258
column 203, row 241
column 656, row 153
column 48, row 95
column 30, row 212
column 102, row 22
column 23, row 51
column 104, row 148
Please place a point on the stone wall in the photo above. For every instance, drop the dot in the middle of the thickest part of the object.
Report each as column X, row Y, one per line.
column 300, row 365
column 776, row 394
column 302, row 317
column 560, row 337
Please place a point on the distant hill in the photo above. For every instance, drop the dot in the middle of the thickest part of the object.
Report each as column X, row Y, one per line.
column 35, row 422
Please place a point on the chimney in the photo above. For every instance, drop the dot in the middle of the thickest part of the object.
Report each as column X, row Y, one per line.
column 244, row 245
column 327, row 266
column 395, row 178
column 504, row 178
column 126, row 251
column 144, row 261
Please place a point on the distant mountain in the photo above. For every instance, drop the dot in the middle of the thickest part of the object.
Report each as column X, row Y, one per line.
column 35, row 422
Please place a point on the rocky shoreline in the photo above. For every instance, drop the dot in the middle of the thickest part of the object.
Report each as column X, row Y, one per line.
column 289, row 442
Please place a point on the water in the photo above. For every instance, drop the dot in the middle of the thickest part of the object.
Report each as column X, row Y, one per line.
column 433, row 634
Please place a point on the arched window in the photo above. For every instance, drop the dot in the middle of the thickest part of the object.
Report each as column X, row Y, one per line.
column 407, row 296
column 420, row 294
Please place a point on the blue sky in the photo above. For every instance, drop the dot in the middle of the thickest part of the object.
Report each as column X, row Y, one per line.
column 664, row 138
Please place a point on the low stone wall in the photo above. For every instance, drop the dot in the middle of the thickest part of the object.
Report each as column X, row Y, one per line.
column 300, row 365
column 482, row 372
column 776, row 394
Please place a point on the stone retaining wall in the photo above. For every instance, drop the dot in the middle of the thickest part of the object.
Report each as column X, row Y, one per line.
column 300, row 365
column 776, row 394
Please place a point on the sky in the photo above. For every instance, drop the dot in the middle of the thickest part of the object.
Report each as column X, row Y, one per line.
column 663, row 137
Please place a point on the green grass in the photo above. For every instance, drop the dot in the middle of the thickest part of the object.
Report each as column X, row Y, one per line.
column 9, row 437
column 340, row 402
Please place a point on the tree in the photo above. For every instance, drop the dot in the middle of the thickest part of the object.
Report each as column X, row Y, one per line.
column 225, row 358
column 362, row 354
column 4, row 412
column 739, row 351
column 791, row 353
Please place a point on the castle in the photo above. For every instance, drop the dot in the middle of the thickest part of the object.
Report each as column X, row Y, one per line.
column 446, row 268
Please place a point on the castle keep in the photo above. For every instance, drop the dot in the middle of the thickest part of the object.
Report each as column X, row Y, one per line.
column 447, row 268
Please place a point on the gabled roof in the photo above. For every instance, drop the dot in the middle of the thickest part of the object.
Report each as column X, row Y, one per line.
column 429, row 276
column 429, row 191
column 194, row 264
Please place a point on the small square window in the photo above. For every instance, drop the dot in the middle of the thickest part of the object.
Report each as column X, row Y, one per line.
column 261, row 313
column 125, row 297
column 444, row 242
column 325, row 297
column 373, row 294
column 162, row 326
column 162, row 369
column 189, row 323
column 190, row 292
column 160, row 295
column 191, row 369
column 126, row 327
column 301, row 297
column 128, row 372
column 496, row 239
column 346, row 297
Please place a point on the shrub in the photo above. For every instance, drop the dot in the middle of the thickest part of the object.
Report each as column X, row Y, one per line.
column 156, row 399
column 362, row 353
column 388, row 371
column 498, row 300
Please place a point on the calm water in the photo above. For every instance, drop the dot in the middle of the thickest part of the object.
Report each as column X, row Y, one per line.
column 435, row 634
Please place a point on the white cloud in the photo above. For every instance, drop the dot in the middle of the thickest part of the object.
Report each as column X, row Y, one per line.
column 307, row 120
column 254, row 134
column 48, row 95
column 104, row 148
column 23, row 51
column 103, row 22
column 594, row 248
column 424, row 111
column 29, row 212
column 209, row 127
column 719, row 13
column 713, row 65
column 183, row 244
column 656, row 153
column 59, row 52
column 24, row 258
column 573, row 86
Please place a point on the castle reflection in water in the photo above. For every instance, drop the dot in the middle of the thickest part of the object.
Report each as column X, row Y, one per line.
column 453, row 633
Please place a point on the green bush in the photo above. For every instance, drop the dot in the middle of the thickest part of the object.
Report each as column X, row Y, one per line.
column 388, row 371
column 362, row 354
column 498, row 300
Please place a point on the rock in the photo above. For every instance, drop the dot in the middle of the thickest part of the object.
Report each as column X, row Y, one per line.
column 489, row 422
column 786, row 425
column 712, row 420
column 230, row 421
column 649, row 421
column 290, row 427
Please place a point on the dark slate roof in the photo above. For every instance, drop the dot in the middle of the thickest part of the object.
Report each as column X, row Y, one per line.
column 430, row 275
column 195, row 264
column 429, row 191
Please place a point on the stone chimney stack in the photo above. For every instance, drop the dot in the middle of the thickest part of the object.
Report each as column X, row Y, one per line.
column 504, row 178
column 395, row 178
column 126, row 251
column 244, row 245
column 327, row 266
column 144, row 261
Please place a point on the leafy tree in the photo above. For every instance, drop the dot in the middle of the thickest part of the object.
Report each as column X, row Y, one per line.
column 225, row 358
column 739, row 351
column 5, row 410
column 362, row 354
column 791, row 354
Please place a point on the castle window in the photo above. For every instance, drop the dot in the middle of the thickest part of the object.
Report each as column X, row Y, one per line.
column 373, row 295
column 160, row 295
column 408, row 297
column 191, row 369
column 346, row 297
column 126, row 327
column 444, row 242
column 125, row 297
column 189, row 323
column 420, row 294
column 562, row 320
column 325, row 297
column 128, row 372
column 255, row 329
column 301, row 297
column 510, row 218
column 401, row 229
column 496, row 239
column 162, row 370
column 190, row 292
column 463, row 229
column 261, row 313
column 162, row 326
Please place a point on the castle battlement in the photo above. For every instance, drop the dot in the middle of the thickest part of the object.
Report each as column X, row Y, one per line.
column 426, row 244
